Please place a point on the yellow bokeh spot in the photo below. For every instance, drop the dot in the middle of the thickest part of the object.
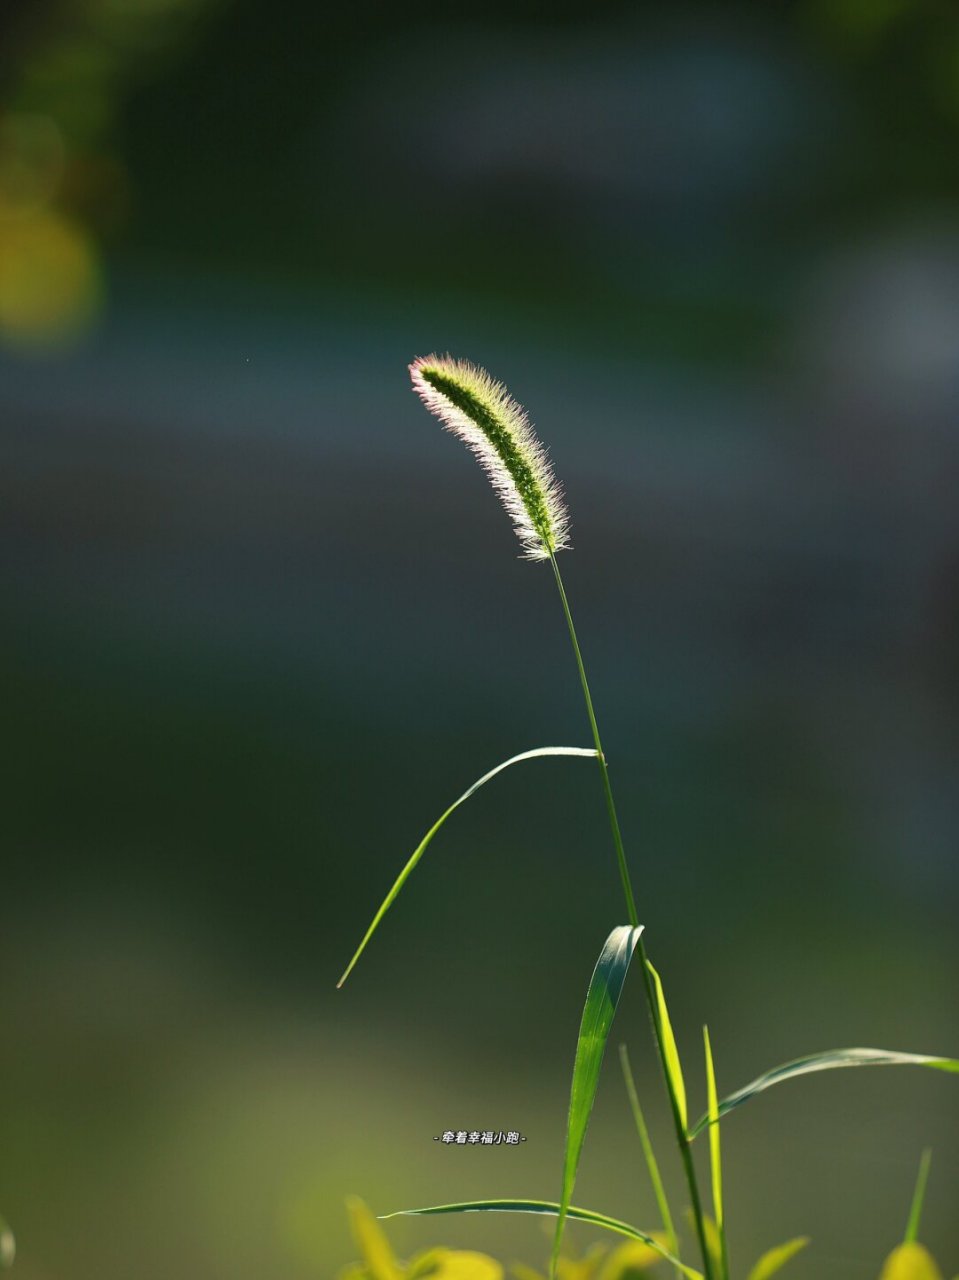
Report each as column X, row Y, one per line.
column 453, row 1264
column 628, row 1260
column 910, row 1262
column 50, row 287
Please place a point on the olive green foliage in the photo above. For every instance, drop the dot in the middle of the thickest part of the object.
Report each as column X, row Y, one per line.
column 908, row 1261
column 551, row 1209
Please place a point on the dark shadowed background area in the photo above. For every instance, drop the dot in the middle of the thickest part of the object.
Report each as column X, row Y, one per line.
column 263, row 620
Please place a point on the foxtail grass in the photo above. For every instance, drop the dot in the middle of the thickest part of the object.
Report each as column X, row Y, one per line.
column 481, row 412
column 478, row 410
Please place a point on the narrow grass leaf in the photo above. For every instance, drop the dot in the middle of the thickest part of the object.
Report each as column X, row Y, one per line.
column 715, row 1154
column 774, row 1259
column 671, row 1053
column 827, row 1061
column 651, row 1162
column 602, row 998
column 427, row 839
column 552, row 1209
column 715, row 1151
column 918, row 1197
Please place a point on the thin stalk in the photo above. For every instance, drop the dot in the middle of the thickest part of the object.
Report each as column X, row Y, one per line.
column 604, row 771
column 915, row 1211
column 652, row 1164
column 682, row 1139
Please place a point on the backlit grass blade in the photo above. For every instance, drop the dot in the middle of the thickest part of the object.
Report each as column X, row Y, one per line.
column 827, row 1061
column 371, row 1242
column 772, row 1260
column 918, row 1196
column 602, row 998
column 551, row 1209
column 671, row 1053
column 715, row 1154
column 651, row 1162
column 425, row 842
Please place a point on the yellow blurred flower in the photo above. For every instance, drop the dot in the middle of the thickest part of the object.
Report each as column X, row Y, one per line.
column 379, row 1262
column 910, row 1262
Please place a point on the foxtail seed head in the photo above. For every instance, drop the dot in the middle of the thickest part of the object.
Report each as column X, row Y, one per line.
column 482, row 413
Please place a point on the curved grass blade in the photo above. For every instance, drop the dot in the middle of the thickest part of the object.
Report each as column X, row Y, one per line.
column 775, row 1258
column 673, row 1065
column 651, row 1162
column 826, row 1061
column 605, row 987
column 715, row 1155
column 425, row 842
column 551, row 1209
column 918, row 1196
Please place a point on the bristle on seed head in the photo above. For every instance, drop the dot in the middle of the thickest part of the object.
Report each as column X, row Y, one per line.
column 482, row 413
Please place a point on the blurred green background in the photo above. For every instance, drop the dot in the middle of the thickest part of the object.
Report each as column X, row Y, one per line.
column 263, row 620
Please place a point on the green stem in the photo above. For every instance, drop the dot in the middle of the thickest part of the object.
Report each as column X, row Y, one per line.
column 915, row 1211
column 682, row 1138
column 652, row 1164
column 607, row 789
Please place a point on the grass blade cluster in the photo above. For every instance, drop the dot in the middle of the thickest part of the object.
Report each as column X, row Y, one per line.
column 605, row 988
column 829, row 1060
column 480, row 412
column 427, row 839
column 549, row 1208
